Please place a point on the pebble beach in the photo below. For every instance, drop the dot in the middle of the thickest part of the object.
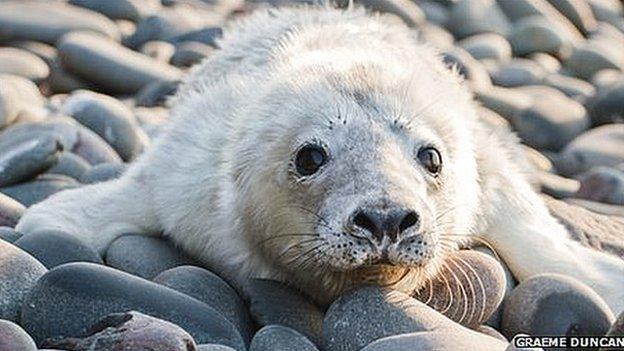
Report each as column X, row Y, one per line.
column 84, row 91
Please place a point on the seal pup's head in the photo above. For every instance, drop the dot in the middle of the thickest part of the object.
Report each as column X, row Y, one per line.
column 362, row 168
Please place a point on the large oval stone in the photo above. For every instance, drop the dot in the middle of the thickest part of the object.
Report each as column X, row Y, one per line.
column 54, row 247
column 120, row 70
column 554, row 304
column 144, row 256
column 74, row 296
column 210, row 289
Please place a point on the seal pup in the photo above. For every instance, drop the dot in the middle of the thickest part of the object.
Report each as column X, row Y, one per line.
column 329, row 148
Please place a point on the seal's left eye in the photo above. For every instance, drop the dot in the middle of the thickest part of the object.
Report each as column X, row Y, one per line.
column 431, row 159
column 309, row 159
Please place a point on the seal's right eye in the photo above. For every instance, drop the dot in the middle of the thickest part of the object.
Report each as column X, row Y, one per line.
column 309, row 159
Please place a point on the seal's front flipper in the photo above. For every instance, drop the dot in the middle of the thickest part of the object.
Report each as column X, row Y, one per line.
column 96, row 214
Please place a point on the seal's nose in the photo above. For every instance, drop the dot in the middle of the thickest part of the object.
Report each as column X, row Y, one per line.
column 385, row 223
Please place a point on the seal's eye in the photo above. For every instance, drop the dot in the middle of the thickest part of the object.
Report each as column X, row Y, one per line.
column 431, row 159
column 309, row 159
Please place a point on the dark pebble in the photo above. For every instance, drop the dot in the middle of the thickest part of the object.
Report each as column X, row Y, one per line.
column 471, row 69
column 25, row 160
column 9, row 234
column 70, row 165
column 213, row 347
column 210, row 289
column 144, row 256
column 39, row 189
column 109, row 118
column 47, row 21
column 71, row 297
column 601, row 146
column 156, row 94
column 273, row 303
column 602, row 184
column 554, row 304
column 120, row 9
column 53, row 248
column 552, row 121
column 120, row 70
column 206, row 36
column 73, row 136
column 608, row 105
column 189, row 53
column 103, row 173
column 165, row 25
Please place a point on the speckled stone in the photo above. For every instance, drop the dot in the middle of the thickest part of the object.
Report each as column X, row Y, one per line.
column 53, row 248
column 367, row 314
column 444, row 339
column 144, row 256
column 280, row 338
column 18, row 273
column 14, row 338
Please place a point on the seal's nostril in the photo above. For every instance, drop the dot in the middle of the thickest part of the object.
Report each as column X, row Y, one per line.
column 410, row 220
column 364, row 221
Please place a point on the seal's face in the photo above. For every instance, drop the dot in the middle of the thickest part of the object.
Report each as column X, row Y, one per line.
column 369, row 172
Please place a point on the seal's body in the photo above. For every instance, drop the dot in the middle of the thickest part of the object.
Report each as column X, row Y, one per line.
column 327, row 148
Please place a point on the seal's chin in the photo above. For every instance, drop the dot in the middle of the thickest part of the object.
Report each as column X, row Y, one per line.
column 380, row 274
column 402, row 278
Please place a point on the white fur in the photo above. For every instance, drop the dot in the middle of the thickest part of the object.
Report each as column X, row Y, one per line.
column 217, row 181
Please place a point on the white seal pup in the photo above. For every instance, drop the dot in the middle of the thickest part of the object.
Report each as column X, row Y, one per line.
column 326, row 148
